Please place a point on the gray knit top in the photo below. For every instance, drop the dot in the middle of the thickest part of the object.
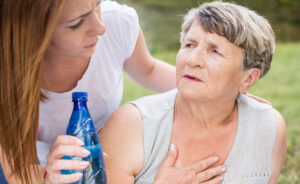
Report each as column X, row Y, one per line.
column 249, row 161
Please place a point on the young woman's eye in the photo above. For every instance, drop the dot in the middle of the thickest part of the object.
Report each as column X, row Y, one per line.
column 98, row 3
column 76, row 26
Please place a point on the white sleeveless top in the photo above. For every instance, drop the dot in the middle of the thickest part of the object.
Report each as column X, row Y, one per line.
column 249, row 161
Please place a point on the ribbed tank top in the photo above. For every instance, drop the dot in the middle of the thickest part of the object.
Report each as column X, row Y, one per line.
column 249, row 161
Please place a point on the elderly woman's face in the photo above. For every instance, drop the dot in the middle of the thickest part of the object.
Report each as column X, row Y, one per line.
column 208, row 66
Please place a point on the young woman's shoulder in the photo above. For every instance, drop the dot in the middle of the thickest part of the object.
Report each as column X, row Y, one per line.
column 113, row 8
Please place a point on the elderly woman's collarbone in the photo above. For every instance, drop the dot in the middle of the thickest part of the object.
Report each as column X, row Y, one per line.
column 194, row 147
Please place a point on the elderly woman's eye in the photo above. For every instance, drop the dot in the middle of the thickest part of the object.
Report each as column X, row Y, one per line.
column 188, row 45
column 216, row 51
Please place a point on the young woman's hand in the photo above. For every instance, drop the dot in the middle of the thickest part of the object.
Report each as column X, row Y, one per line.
column 65, row 145
column 198, row 173
column 259, row 99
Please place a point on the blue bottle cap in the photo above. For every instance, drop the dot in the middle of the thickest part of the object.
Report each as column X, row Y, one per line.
column 79, row 96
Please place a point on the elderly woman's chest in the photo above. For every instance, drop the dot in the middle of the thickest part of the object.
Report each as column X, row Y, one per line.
column 194, row 146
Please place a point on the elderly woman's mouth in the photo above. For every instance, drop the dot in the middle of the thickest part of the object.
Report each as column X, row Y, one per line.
column 192, row 78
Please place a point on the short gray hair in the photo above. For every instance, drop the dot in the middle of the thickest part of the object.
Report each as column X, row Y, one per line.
column 241, row 26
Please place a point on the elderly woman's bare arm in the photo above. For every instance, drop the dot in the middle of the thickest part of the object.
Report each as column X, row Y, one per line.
column 279, row 151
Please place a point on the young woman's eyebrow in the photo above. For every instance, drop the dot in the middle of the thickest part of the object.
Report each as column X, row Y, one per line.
column 81, row 16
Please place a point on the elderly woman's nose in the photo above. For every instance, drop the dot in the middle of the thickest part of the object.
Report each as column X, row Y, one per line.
column 196, row 59
column 97, row 27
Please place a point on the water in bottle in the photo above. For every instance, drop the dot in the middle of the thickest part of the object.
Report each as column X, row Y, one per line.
column 81, row 126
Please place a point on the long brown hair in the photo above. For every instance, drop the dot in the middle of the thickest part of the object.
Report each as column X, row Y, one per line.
column 26, row 27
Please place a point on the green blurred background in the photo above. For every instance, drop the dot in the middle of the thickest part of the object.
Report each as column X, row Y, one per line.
column 161, row 20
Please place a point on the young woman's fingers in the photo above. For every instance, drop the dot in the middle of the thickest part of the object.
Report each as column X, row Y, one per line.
column 66, row 140
column 67, row 150
column 63, row 164
column 63, row 178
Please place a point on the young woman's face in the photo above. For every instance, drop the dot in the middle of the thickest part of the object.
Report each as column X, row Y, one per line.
column 78, row 29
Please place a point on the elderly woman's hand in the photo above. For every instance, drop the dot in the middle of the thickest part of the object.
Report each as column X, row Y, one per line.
column 65, row 145
column 197, row 173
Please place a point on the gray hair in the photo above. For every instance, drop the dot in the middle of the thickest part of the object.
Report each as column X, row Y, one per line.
column 241, row 26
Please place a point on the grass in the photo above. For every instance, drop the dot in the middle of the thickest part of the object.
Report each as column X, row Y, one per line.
column 280, row 86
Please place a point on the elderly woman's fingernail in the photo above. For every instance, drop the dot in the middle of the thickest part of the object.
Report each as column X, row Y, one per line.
column 223, row 169
column 78, row 141
column 172, row 147
column 85, row 152
column 221, row 178
column 215, row 159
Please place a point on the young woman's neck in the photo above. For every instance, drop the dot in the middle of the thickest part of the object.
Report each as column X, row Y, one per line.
column 62, row 74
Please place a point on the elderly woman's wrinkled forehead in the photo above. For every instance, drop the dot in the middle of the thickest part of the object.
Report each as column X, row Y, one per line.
column 241, row 26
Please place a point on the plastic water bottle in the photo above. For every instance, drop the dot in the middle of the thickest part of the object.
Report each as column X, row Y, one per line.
column 81, row 126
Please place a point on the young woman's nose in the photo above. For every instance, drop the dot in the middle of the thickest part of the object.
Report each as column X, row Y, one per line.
column 97, row 27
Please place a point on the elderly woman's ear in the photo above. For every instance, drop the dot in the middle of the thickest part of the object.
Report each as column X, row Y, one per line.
column 250, row 77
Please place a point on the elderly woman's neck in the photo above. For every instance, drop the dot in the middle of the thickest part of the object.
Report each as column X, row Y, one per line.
column 208, row 114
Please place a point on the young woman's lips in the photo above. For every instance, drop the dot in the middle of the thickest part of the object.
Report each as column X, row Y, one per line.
column 91, row 46
column 192, row 78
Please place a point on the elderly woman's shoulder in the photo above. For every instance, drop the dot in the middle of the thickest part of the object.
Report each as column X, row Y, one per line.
column 280, row 124
column 252, row 104
column 156, row 104
column 262, row 111
column 133, row 112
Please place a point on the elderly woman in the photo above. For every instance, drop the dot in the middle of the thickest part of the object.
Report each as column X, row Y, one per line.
column 225, row 49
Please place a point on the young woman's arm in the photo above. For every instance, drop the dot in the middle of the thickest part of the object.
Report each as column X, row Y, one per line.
column 148, row 71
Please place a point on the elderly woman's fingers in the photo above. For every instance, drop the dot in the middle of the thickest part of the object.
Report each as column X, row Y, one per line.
column 210, row 173
column 62, row 164
column 61, row 178
column 204, row 164
column 215, row 180
column 171, row 157
column 66, row 140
